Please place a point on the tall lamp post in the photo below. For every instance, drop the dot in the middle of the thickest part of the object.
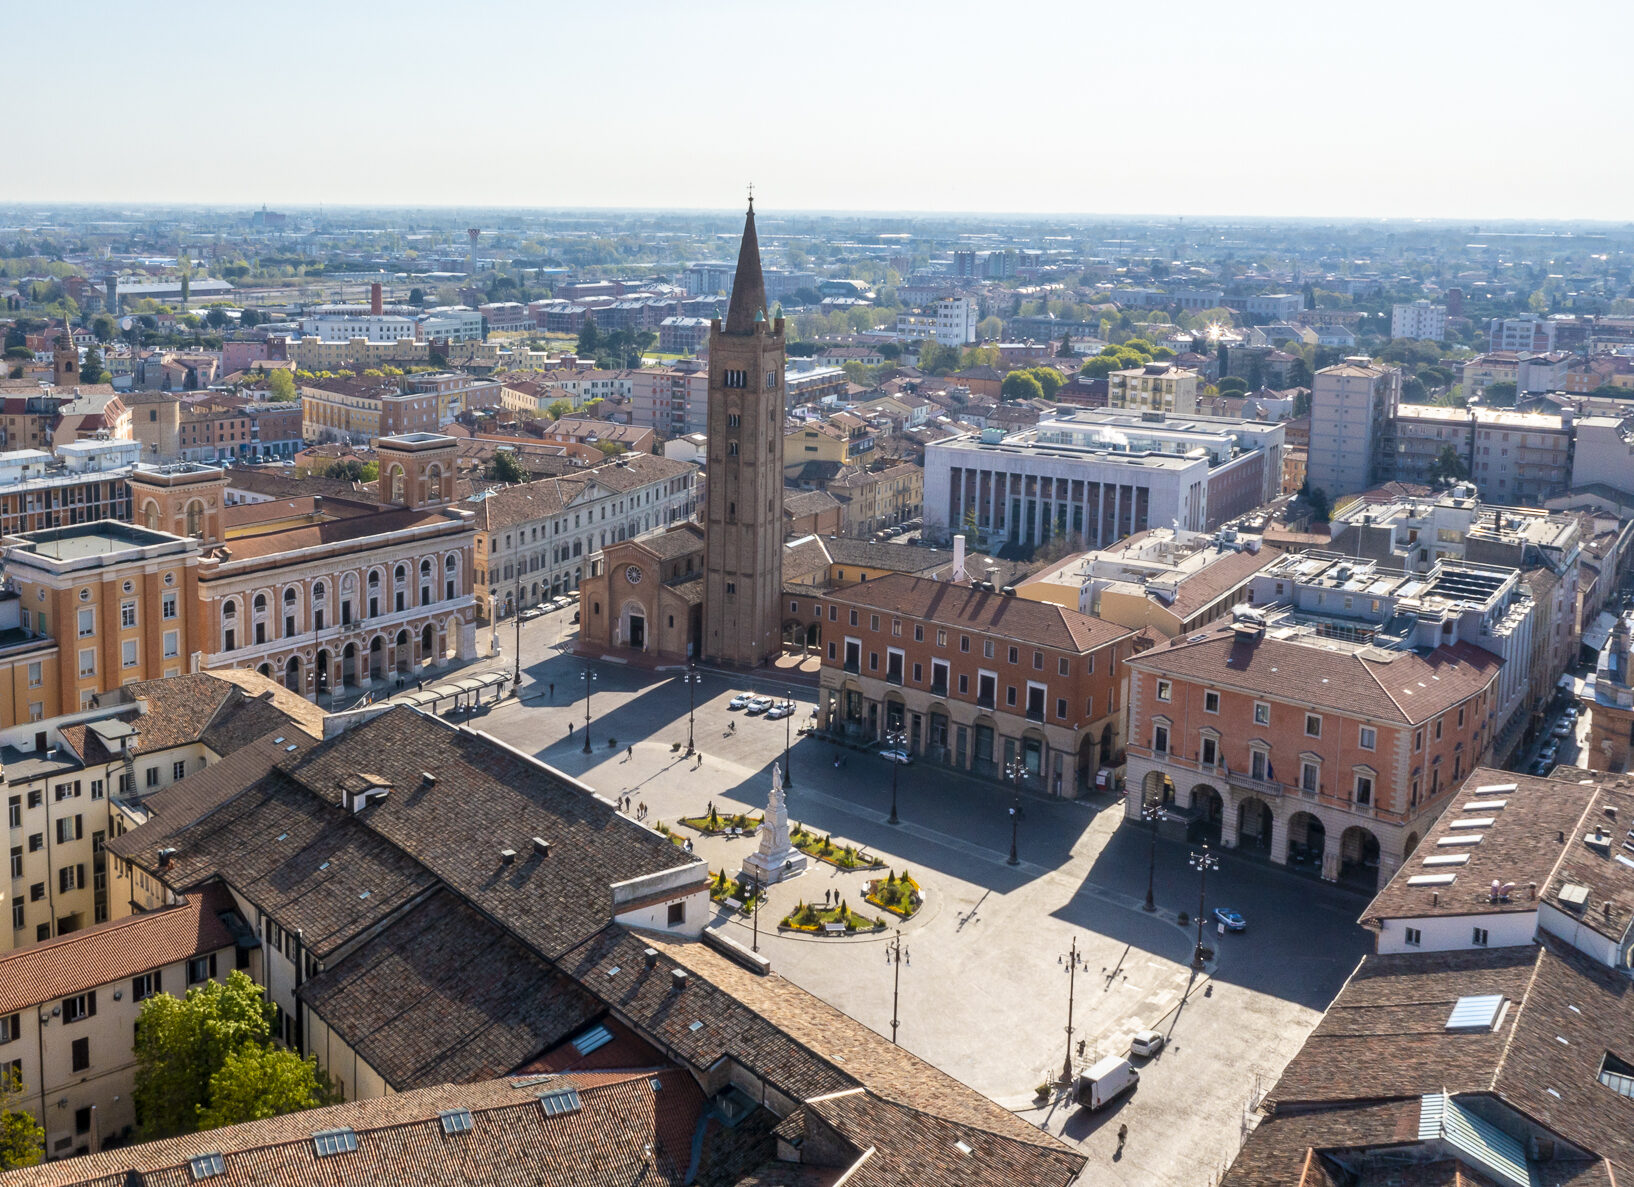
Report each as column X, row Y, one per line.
column 894, row 739
column 1074, row 962
column 589, row 679
column 753, row 887
column 1013, row 771
column 691, row 678
column 518, row 630
column 897, row 955
column 1151, row 813
column 1202, row 862
column 788, row 735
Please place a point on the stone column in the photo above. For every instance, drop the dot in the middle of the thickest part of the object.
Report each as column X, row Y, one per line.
column 1229, row 817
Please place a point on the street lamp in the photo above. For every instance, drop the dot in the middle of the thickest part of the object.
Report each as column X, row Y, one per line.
column 589, row 679
column 788, row 733
column 753, row 887
column 519, row 630
column 1074, row 962
column 894, row 739
column 691, row 678
column 895, row 954
column 1202, row 862
column 1152, row 812
column 1013, row 771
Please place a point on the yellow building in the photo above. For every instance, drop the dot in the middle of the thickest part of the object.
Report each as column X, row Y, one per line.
column 1156, row 387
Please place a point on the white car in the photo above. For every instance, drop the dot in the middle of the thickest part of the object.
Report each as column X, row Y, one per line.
column 1146, row 1043
column 533, row 612
column 758, row 705
column 741, row 701
column 896, row 755
column 779, row 712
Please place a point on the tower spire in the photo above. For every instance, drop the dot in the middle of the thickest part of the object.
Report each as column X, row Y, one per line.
column 748, row 286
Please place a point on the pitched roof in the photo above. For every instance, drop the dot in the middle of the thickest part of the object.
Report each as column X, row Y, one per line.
column 1401, row 686
column 110, row 952
column 1223, row 575
column 1043, row 623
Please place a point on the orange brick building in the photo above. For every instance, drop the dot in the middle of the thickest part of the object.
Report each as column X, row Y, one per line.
column 973, row 679
column 1307, row 748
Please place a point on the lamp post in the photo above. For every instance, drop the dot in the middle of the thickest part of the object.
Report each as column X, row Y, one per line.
column 894, row 739
column 1013, row 771
column 519, row 630
column 1151, row 813
column 691, row 678
column 1074, row 962
column 753, row 888
column 1202, row 862
column 589, row 679
column 897, row 955
column 788, row 735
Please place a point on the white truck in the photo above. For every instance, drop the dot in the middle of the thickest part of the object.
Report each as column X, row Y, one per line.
column 1104, row 1083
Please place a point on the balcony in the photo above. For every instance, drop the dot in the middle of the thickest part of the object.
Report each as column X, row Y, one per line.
column 938, row 688
column 854, row 666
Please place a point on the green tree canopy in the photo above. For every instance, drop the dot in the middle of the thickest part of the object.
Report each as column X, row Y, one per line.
column 558, row 409
column 1498, row 395
column 1232, row 385
column 182, row 1043
column 612, row 448
column 255, row 1082
column 1049, row 380
column 22, row 1141
column 936, row 359
column 1021, row 385
column 1099, row 367
column 92, row 370
column 1448, row 467
column 589, row 336
column 281, row 385
column 505, row 468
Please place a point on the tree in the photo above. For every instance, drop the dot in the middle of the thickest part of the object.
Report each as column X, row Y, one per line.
column 1065, row 351
column 281, row 385
column 92, row 370
column 589, row 336
column 612, row 448
column 1021, row 385
column 255, row 1082
column 104, row 327
column 346, row 470
column 1099, row 367
column 417, row 296
column 1448, row 467
column 505, row 468
column 22, row 1141
column 936, row 359
column 1499, row 395
column 1317, row 500
column 558, row 409
column 217, row 318
column 1233, row 385
column 1302, row 404
column 989, row 329
column 182, row 1043
column 1049, row 380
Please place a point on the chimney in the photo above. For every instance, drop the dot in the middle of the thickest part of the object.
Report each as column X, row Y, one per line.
column 376, row 304
column 165, row 856
column 958, row 558
column 650, row 955
column 541, row 846
column 507, row 856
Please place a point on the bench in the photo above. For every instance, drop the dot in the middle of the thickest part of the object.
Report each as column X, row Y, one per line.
column 834, row 929
column 734, row 904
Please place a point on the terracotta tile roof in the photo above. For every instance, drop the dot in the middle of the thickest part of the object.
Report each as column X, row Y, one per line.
column 1222, row 576
column 442, row 995
column 1043, row 623
column 1401, row 686
column 798, row 504
column 333, row 531
column 1518, row 847
column 678, row 541
column 400, row 1138
column 114, row 951
column 1609, row 910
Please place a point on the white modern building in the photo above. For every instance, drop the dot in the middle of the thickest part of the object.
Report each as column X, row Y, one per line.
column 1100, row 475
column 1353, row 406
column 342, row 324
column 457, row 323
column 1517, row 334
column 951, row 321
column 1419, row 320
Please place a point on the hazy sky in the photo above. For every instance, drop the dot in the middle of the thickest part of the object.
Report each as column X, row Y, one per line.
column 1434, row 108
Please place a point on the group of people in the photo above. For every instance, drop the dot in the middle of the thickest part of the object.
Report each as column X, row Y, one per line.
column 640, row 808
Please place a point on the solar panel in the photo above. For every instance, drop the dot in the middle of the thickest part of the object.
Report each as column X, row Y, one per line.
column 334, row 1141
column 598, row 1036
column 560, row 1101
column 1476, row 1012
column 206, row 1166
column 456, row 1121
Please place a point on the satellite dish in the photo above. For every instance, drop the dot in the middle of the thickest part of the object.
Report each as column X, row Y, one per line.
column 126, row 323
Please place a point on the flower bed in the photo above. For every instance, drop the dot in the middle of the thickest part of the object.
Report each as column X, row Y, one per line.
column 900, row 896
column 808, row 917
column 845, row 857
column 717, row 823
column 674, row 837
column 722, row 888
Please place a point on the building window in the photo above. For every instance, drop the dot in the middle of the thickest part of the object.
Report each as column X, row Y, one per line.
column 10, row 1028
column 964, row 643
column 35, row 677
column 1478, row 937
column 1369, row 738
column 1160, row 739
column 1310, row 777
column 1014, row 654
column 1210, row 752
column 87, row 623
column 1364, row 790
column 1165, row 690
column 144, row 986
column 1313, row 726
column 201, row 969
column 167, row 606
column 153, row 777
column 1211, row 702
column 1064, row 666
column 1414, row 936
column 127, row 653
column 677, row 915
column 79, row 1007
column 172, row 644
column 918, row 633
column 1418, row 741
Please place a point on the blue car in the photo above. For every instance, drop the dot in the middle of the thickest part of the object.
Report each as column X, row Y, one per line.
column 1231, row 920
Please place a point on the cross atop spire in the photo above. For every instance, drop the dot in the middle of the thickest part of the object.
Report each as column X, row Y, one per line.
column 748, row 285
column 751, row 197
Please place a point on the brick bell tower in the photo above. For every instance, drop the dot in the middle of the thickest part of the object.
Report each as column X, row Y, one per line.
column 743, row 524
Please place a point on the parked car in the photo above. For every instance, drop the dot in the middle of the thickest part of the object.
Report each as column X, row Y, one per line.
column 1146, row 1043
column 1548, row 752
column 741, row 701
column 892, row 754
column 1232, row 920
column 533, row 612
column 757, row 706
column 1540, row 766
column 1563, row 727
column 779, row 712
column 575, row 616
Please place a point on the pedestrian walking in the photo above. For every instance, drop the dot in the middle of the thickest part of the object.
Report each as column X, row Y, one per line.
column 553, row 692
column 629, row 753
column 570, row 729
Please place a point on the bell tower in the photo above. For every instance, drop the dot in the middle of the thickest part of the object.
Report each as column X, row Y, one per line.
column 743, row 525
column 65, row 359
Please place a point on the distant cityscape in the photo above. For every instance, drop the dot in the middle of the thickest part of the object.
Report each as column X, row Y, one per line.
column 434, row 639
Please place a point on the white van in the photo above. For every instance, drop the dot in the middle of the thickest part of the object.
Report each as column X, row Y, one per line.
column 1105, row 1082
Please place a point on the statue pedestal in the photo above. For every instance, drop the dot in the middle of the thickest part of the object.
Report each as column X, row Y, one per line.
column 776, row 860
